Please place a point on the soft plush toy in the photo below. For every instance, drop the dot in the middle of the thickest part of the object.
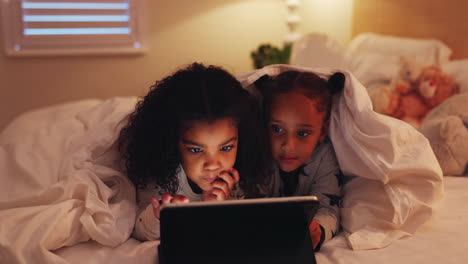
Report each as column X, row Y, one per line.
column 435, row 86
column 411, row 107
column 432, row 87
column 386, row 99
column 409, row 98
column 446, row 127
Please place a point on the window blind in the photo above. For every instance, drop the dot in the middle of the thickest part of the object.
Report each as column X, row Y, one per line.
column 75, row 18
column 41, row 27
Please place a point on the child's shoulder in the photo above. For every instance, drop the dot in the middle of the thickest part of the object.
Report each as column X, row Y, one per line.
column 324, row 149
column 323, row 156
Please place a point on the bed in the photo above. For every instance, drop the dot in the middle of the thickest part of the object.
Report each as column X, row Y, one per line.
column 47, row 173
column 442, row 240
column 60, row 184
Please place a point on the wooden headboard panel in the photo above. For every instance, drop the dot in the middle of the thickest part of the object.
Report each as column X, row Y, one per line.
column 438, row 19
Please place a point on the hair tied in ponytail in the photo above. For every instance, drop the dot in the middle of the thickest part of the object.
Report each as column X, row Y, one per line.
column 263, row 84
column 336, row 82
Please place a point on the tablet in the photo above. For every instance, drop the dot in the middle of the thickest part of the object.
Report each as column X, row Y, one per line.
column 267, row 230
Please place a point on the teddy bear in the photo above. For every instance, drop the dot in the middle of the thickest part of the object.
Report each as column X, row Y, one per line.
column 409, row 98
column 416, row 99
column 435, row 86
column 446, row 128
column 387, row 99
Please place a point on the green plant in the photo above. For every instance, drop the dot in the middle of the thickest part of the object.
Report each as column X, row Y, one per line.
column 267, row 54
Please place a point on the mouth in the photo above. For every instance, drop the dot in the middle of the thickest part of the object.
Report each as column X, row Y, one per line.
column 210, row 180
column 287, row 159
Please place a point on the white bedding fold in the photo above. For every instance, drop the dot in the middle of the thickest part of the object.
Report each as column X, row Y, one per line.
column 62, row 182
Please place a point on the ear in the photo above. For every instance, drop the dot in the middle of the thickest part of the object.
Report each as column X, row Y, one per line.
column 324, row 132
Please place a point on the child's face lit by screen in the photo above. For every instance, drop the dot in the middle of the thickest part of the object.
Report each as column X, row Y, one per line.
column 207, row 149
column 295, row 129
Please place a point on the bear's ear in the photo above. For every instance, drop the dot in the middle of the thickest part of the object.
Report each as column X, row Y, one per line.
column 447, row 81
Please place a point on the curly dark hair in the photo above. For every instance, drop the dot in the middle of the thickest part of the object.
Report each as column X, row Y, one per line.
column 307, row 83
column 149, row 141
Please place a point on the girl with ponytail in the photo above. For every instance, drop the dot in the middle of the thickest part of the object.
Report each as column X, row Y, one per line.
column 297, row 106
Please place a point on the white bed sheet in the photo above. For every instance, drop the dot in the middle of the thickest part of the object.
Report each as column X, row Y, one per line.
column 441, row 240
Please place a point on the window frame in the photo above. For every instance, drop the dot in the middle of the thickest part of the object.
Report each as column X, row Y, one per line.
column 134, row 43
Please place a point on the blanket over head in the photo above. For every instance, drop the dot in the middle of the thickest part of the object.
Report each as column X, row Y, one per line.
column 398, row 179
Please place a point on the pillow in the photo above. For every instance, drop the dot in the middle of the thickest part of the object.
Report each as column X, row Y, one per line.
column 373, row 69
column 317, row 50
column 425, row 51
column 458, row 70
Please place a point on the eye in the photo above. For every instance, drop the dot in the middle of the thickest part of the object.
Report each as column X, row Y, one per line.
column 303, row 133
column 227, row 148
column 195, row 150
column 276, row 129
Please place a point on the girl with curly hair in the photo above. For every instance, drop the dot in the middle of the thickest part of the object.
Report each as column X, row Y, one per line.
column 196, row 136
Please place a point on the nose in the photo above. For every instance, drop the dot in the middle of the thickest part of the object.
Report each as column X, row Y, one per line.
column 212, row 163
column 288, row 143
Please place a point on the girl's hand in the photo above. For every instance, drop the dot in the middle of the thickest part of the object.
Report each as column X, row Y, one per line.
column 222, row 187
column 315, row 233
column 166, row 198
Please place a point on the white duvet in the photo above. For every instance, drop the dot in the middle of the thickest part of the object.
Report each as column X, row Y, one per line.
column 62, row 183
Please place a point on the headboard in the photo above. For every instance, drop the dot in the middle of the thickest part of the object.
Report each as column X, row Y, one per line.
column 443, row 20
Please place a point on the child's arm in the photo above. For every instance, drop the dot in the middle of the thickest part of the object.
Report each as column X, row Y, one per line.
column 146, row 224
column 327, row 187
column 147, row 221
